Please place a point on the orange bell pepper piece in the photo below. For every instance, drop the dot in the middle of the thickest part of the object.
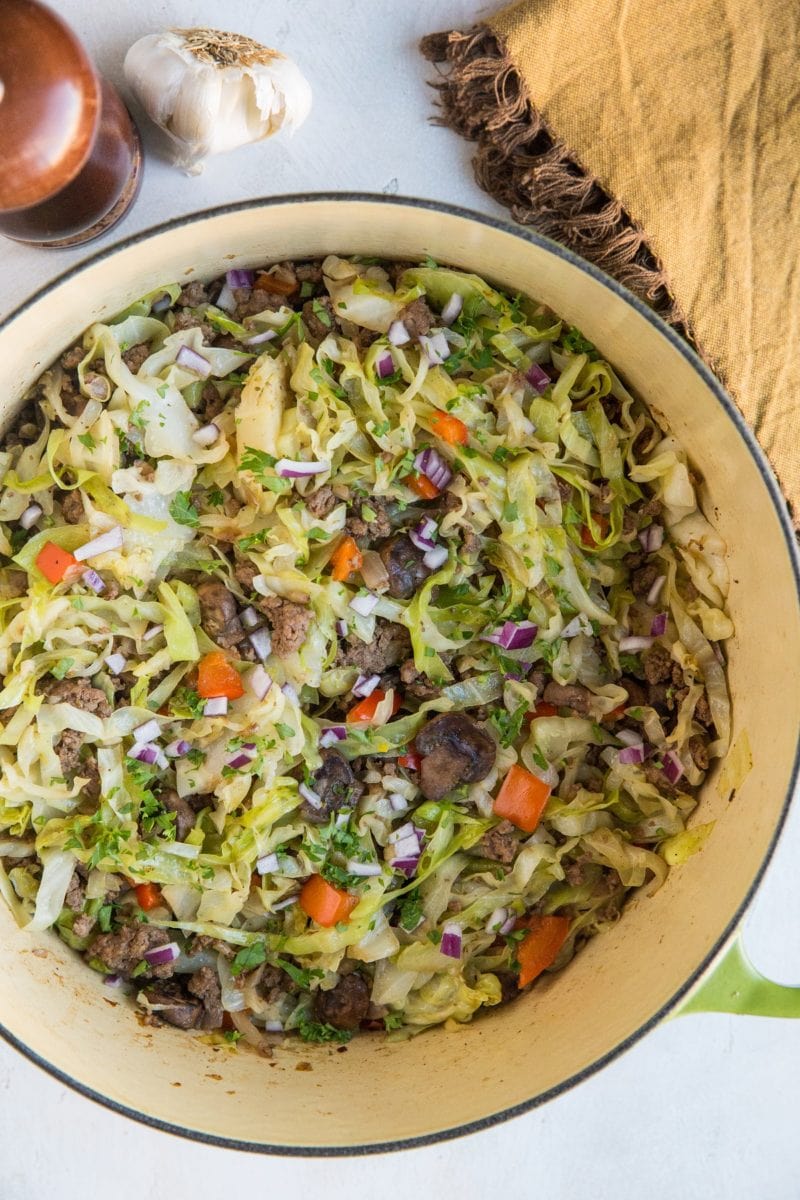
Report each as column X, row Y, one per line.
column 364, row 712
column 148, row 895
column 324, row 903
column 216, row 677
column 346, row 558
column 54, row 562
column 422, row 486
column 539, row 949
column 602, row 523
column 522, row 799
column 271, row 283
column 449, row 429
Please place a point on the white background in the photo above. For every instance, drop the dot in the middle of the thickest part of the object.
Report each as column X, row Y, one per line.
column 704, row 1106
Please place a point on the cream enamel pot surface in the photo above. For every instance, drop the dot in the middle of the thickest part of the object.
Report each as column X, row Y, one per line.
column 669, row 950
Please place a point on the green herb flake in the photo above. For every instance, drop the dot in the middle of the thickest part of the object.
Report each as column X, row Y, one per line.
column 316, row 1031
column 87, row 440
column 248, row 958
column 61, row 667
column 183, row 511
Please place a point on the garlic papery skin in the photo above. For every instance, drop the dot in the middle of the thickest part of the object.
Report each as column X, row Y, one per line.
column 212, row 91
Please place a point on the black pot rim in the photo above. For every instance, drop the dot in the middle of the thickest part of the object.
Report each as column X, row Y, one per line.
column 781, row 509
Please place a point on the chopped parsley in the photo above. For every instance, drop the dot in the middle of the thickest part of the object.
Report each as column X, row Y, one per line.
column 410, row 911
column 183, row 511
column 248, row 958
column 87, row 440
column 62, row 666
column 317, row 1031
column 301, row 976
column 508, row 725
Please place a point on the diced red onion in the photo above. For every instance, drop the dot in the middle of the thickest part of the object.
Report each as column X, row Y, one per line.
column 435, row 558
column 513, row 635
column 398, row 803
column 258, row 681
column 632, row 645
column 332, row 735
column 452, row 308
column 673, row 767
column 116, row 662
column 111, row 540
column 365, row 685
column 239, row 279
column 655, row 590
column 258, row 338
column 652, row 538
column 630, row 755
column 148, row 732
column 658, row 626
column 538, row 378
column 402, row 831
column 496, row 920
column 313, row 798
column 290, row 692
column 436, row 348
column 364, row 869
column 194, row 362
column 267, row 865
column 423, row 535
column 93, row 580
column 384, row 365
column 146, row 754
column 113, row 980
column 341, row 628
column 152, row 632
column 216, row 706
column 629, row 737
column 30, row 516
column 178, row 748
column 273, row 1026
column 162, row 303
column 242, row 759
column 407, row 865
column 431, row 464
column 250, row 618
column 285, row 903
column 398, row 335
column 226, row 299
column 289, row 468
column 364, row 605
column 261, row 642
column 450, row 945
column 206, row 435
column 161, row 955
column 407, row 847
column 508, row 924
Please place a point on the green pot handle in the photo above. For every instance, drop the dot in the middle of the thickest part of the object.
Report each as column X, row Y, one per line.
column 733, row 985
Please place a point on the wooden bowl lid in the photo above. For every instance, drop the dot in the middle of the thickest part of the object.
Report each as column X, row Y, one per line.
column 49, row 104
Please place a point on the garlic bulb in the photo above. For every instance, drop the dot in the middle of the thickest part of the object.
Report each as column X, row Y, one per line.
column 212, row 91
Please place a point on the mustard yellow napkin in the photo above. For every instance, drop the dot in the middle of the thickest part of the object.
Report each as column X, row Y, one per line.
column 661, row 140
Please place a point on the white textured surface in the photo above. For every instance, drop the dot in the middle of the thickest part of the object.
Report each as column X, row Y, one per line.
column 703, row 1107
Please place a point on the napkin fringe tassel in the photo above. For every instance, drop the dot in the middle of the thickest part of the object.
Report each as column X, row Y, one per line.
column 524, row 166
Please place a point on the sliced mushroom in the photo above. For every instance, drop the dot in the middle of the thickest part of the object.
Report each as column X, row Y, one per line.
column 404, row 566
column 335, row 784
column 455, row 750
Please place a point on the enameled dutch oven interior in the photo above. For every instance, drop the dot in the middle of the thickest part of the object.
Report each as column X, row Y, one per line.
column 373, row 1095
